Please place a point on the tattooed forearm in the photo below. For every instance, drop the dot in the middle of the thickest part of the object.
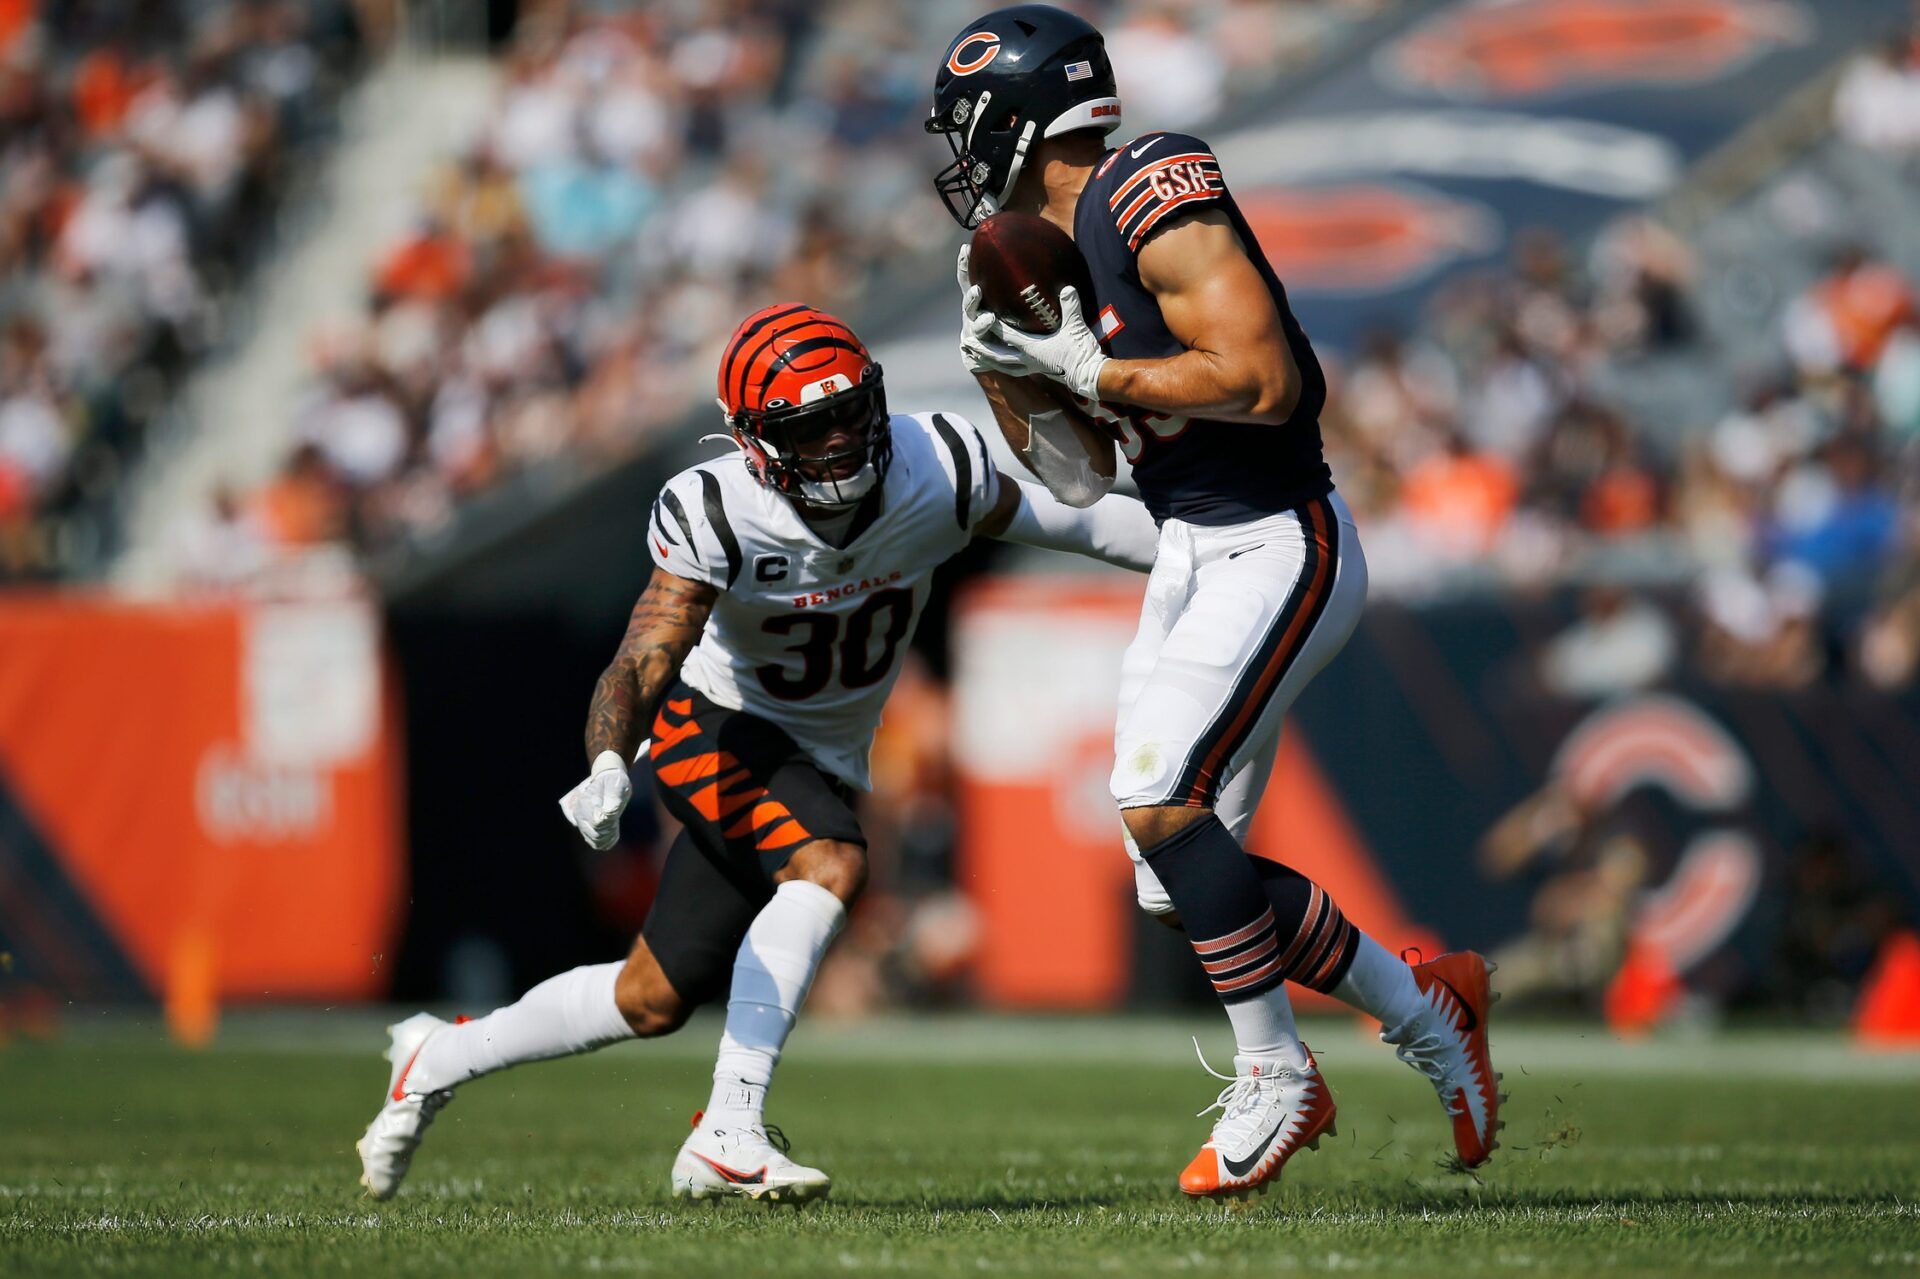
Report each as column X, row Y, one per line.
column 664, row 626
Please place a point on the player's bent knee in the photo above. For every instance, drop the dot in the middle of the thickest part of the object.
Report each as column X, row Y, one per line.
column 1153, row 825
column 648, row 1000
column 837, row 866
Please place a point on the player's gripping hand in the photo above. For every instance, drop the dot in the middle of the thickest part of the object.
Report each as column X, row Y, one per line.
column 981, row 354
column 1070, row 355
column 595, row 805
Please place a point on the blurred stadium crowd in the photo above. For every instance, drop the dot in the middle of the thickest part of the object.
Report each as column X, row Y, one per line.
column 1766, row 542
column 567, row 277
column 1484, row 446
column 145, row 149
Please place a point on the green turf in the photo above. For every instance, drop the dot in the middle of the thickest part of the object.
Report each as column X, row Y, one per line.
column 959, row 1147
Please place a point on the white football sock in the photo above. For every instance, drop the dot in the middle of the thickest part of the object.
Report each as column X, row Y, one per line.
column 771, row 975
column 1263, row 1027
column 572, row 1013
column 1380, row 985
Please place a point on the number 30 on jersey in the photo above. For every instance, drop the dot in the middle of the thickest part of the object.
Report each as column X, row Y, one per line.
column 830, row 646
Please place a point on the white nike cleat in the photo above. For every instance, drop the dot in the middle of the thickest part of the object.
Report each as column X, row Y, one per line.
column 1269, row 1112
column 749, row 1161
column 386, row 1151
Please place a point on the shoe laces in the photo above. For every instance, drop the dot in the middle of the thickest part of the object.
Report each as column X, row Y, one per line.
column 1243, row 1094
column 1426, row 1053
column 769, row 1133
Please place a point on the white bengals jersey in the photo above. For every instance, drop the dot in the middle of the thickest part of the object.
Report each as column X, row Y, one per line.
column 808, row 635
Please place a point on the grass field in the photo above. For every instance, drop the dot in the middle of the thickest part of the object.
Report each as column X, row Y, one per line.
column 961, row 1146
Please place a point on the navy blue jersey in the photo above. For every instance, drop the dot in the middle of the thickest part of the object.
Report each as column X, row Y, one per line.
column 1200, row 470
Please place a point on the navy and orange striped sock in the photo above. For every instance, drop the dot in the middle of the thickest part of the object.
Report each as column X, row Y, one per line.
column 1317, row 943
column 1254, row 923
column 1224, row 907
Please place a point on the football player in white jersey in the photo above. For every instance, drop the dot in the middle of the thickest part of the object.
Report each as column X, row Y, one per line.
column 787, row 586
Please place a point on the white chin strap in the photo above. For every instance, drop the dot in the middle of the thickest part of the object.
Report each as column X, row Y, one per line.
column 992, row 204
column 845, row 492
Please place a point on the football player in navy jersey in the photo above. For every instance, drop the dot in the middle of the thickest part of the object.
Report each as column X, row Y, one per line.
column 1190, row 351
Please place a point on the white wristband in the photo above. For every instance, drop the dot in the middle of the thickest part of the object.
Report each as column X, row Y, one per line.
column 607, row 761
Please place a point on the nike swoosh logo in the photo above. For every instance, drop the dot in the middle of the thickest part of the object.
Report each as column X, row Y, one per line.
column 399, row 1089
column 1241, row 1167
column 1144, row 147
column 1234, row 555
column 737, row 1178
column 1473, row 1022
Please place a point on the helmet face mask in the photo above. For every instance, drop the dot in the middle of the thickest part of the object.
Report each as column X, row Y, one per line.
column 829, row 452
column 1010, row 79
column 988, row 155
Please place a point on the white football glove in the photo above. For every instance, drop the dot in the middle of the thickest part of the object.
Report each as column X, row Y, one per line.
column 595, row 805
column 981, row 355
column 1070, row 355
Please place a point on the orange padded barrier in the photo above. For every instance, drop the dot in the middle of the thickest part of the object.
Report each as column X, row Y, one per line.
column 200, row 802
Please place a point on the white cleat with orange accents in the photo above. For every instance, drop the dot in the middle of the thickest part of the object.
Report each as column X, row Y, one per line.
column 747, row 1160
column 1270, row 1111
column 1447, row 1042
column 386, row 1151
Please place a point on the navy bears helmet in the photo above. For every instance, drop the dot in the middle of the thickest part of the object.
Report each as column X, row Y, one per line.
column 1017, row 74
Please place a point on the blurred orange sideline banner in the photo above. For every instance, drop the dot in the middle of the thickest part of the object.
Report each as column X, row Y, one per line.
column 1035, row 689
column 197, row 801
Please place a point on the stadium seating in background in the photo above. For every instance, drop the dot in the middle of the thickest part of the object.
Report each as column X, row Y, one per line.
column 147, row 150
column 633, row 192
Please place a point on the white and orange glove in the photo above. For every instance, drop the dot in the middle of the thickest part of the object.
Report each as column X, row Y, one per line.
column 595, row 805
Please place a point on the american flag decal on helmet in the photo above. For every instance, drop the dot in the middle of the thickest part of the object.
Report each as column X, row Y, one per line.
column 1080, row 71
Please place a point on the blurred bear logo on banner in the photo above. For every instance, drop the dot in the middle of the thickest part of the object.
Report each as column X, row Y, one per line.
column 1369, row 237
column 1620, row 907
column 1527, row 48
column 310, row 701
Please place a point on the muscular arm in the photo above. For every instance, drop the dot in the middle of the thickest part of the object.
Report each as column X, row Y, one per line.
column 1061, row 449
column 1011, row 401
column 994, row 522
column 1237, row 365
column 665, row 624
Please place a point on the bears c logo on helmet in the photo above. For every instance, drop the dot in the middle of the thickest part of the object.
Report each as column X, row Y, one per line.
column 973, row 53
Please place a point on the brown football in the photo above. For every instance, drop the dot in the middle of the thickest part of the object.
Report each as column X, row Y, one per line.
column 1021, row 262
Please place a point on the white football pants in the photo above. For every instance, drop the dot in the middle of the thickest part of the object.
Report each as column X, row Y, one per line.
column 1237, row 619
